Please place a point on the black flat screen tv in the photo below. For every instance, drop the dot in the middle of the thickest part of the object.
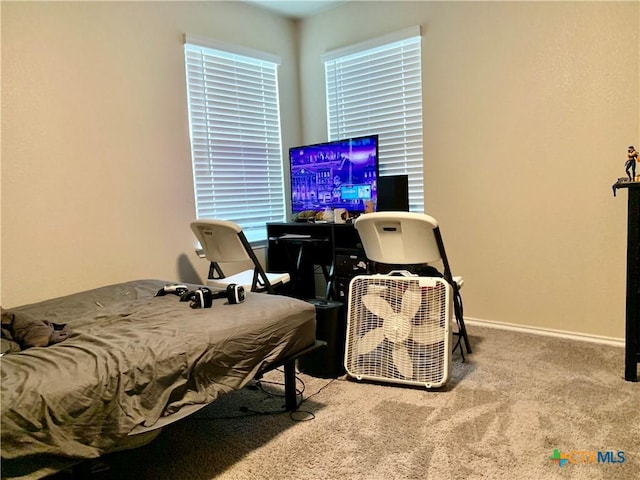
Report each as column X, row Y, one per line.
column 337, row 174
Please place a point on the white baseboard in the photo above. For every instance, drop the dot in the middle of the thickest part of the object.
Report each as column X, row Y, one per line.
column 549, row 332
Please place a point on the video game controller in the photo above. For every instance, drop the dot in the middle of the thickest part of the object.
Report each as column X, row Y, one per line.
column 174, row 289
column 234, row 294
column 200, row 298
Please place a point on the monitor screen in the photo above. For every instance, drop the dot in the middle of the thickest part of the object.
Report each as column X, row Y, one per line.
column 338, row 174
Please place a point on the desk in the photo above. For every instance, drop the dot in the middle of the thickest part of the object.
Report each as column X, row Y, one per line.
column 298, row 248
column 632, row 326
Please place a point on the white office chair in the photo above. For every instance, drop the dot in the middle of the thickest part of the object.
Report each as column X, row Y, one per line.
column 223, row 241
column 411, row 241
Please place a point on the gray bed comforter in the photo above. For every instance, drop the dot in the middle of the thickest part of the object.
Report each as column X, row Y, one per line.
column 132, row 361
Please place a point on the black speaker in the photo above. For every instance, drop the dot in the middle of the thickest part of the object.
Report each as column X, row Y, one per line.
column 393, row 193
column 331, row 326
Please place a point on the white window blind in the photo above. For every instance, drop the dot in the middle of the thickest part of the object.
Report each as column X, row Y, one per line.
column 376, row 87
column 234, row 124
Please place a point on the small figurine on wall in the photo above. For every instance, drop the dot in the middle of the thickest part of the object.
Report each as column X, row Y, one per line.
column 630, row 165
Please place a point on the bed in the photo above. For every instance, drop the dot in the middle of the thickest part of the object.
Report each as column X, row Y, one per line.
column 132, row 363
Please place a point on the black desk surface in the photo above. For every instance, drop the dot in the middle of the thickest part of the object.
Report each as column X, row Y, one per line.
column 297, row 247
column 341, row 235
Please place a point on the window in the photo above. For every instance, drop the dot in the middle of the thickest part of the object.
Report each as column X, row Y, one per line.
column 234, row 124
column 376, row 87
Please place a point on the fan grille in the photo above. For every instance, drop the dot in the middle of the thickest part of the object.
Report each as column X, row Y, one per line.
column 374, row 351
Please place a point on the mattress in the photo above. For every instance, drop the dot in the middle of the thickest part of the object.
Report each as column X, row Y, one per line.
column 134, row 362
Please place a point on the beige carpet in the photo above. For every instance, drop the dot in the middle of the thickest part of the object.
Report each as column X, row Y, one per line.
column 516, row 399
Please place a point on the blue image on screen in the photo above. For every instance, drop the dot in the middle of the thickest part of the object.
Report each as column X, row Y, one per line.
column 339, row 174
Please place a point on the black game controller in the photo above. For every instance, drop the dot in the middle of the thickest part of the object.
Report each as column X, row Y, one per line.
column 234, row 294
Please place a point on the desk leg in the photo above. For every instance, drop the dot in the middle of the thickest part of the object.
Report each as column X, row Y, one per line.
column 303, row 277
column 632, row 329
column 330, row 293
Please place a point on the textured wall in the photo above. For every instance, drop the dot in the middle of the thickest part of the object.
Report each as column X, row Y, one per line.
column 97, row 185
column 528, row 110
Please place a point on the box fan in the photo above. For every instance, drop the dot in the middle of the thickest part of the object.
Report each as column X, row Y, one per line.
column 399, row 329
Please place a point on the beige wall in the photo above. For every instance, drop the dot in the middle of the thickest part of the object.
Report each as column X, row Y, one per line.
column 96, row 172
column 528, row 110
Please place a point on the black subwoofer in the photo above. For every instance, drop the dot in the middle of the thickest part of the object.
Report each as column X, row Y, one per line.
column 331, row 327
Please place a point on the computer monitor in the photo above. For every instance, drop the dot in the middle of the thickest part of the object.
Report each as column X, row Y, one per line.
column 393, row 193
column 337, row 174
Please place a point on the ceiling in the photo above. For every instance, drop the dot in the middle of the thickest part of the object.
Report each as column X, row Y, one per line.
column 296, row 8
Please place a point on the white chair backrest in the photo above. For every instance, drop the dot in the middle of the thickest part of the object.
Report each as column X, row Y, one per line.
column 399, row 237
column 220, row 240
